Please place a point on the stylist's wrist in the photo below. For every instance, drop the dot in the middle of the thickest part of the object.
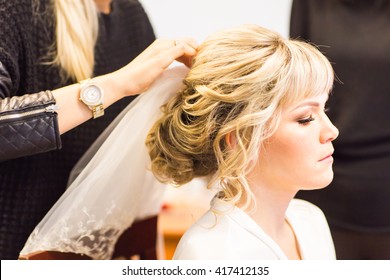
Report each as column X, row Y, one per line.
column 125, row 83
column 113, row 86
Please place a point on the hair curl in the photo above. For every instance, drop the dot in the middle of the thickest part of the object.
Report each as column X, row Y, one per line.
column 240, row 81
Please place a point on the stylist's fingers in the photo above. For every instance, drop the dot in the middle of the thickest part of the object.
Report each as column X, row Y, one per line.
column 154, row 65
column 173, row 49
column 184, row 50
column 191, row 42
column 181, row 52
column 147, row 66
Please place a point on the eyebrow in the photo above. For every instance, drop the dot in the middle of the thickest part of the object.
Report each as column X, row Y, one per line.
column 309, row 103
column 306, row 104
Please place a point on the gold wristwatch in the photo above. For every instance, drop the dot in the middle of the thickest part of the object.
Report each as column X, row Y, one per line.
column 91, row 94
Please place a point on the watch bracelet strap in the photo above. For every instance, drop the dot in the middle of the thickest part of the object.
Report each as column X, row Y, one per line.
column 97, row 111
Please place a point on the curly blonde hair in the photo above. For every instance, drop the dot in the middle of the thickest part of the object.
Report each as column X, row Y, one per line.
column 240, row 81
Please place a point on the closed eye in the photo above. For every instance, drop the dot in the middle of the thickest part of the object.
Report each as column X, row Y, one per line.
column 306, row 121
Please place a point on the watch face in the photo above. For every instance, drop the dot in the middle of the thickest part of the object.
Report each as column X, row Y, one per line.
column 92, row 95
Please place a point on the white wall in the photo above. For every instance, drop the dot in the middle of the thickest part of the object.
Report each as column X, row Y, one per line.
column 199, row 18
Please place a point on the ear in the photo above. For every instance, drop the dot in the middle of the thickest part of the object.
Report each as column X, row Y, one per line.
column 231, row 140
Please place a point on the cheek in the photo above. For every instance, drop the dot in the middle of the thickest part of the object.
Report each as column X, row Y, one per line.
column 281, row 159
column 290, row 159
column 294, row 162
column 286, row 154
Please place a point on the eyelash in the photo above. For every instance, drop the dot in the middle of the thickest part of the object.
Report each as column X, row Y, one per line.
column 309, row 119
column 306, row 121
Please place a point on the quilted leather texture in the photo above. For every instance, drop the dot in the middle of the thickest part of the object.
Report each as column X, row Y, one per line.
column 25, row 102
column 29, row 135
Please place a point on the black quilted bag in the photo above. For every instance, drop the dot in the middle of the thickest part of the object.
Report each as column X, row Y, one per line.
column 28, row 125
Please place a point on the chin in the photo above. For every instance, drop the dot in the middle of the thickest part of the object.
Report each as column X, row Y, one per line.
column 324, row 182
column 320, row 182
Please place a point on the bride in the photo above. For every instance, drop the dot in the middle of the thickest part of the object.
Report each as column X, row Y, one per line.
column 249, row 117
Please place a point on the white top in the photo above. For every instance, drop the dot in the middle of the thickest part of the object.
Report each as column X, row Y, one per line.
column 227, row 232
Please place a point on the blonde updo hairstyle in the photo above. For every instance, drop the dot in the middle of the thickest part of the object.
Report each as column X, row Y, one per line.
column 240, row 81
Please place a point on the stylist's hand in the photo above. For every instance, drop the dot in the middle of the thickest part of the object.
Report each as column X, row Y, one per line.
column 139, row 74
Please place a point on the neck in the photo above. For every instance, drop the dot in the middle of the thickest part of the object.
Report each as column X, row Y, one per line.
column 270, row 214
column 103, row 6
column 270, row 210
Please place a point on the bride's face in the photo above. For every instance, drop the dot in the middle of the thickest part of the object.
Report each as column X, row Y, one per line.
column 299, row 153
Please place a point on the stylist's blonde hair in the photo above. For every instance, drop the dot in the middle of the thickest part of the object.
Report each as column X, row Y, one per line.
column 76, row 34
column 240, row 81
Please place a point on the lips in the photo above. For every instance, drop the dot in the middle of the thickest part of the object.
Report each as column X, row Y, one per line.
column 328, row 156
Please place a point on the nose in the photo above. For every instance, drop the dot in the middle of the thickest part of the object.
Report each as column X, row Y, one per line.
column 329, row 132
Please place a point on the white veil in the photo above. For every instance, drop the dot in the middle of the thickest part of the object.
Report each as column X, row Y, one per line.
column 113, row 186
